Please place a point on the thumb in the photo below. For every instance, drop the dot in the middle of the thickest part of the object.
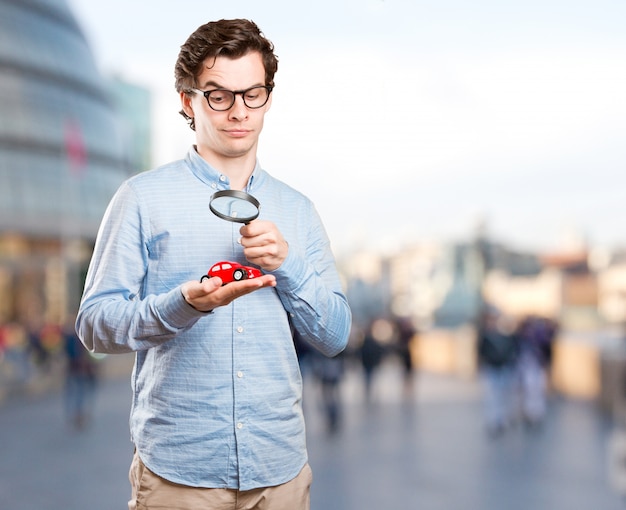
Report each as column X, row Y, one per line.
column 210, row 284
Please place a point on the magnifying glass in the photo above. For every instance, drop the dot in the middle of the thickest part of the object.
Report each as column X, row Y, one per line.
column 234, row 205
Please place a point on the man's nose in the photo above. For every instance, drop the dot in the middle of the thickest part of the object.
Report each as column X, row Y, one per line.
column 239, row 110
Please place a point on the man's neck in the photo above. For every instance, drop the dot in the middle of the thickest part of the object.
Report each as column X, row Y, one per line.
column 237, row 169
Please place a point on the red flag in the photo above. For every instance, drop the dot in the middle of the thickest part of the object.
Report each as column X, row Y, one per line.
column 75, row 149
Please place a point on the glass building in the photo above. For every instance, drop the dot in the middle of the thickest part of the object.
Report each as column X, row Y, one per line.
column 62, row 156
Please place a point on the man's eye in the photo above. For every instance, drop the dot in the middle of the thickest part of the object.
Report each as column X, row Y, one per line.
column 218, row 97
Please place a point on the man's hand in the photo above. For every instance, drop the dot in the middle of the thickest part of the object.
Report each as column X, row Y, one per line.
column 209, row 294
column 263, row 244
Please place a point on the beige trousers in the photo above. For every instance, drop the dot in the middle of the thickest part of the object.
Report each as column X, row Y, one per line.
column 151, row 492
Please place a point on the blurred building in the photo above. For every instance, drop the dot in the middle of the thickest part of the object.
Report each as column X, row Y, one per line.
column 436, row 285
column 445, row 285
column 134, row 116
column 441, row 288
column 64, row 150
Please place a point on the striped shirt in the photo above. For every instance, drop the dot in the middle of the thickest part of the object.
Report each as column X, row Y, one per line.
column 216, row 397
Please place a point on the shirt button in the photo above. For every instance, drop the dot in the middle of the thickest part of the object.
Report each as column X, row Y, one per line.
column 222, row 178
column 240, row 425
column 240, row 329
column 240, row 374
column 213, row 185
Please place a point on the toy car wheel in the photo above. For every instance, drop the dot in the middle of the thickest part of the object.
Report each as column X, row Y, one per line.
column 239, row 274
column 204, row 277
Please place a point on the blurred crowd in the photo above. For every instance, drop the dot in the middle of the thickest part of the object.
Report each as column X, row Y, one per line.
column 47, row 355
column 369, row 347
column 514, row 358
column 26, row 350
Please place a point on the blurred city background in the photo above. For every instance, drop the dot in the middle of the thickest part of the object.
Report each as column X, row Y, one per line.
column 464, row 159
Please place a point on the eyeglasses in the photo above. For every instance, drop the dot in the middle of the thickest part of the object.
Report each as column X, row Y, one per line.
column 221, row 100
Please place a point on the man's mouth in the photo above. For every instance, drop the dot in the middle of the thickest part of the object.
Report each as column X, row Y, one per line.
column 237, row 133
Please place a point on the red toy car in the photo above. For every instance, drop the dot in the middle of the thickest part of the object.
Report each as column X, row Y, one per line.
column 231, row 272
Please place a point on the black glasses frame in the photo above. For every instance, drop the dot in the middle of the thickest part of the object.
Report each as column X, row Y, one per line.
column 235, row 93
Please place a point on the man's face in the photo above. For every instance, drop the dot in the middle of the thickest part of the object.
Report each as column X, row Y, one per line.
column 233, row 133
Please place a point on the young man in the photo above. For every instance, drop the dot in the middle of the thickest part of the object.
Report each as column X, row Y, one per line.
column 216, row 415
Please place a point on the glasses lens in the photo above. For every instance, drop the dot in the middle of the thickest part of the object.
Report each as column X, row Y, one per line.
column 221, row 99
column 255, row 97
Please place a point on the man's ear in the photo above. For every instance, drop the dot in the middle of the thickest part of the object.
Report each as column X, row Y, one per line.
column 185, row 101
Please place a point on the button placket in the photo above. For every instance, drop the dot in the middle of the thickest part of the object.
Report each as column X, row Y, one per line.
column 240, row 378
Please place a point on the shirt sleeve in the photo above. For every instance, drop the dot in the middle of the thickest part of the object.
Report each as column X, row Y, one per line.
column 114, row 316
column 310, row 289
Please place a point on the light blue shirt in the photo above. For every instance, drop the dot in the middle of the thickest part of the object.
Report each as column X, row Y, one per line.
column 216, row 397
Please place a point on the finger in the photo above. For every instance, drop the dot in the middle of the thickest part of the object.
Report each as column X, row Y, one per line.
column 247, row 229
column 254, row 254
column 197, row 289
column 250, row 284
column 210, row 284
column 256, row 228
column 233, row 290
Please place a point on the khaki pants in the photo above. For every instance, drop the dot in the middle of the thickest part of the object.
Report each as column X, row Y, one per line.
column 151, row 492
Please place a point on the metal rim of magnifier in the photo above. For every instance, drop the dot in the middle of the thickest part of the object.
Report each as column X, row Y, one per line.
column 240, row 195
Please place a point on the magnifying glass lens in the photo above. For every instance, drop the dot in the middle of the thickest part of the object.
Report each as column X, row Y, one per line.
column 234, row 205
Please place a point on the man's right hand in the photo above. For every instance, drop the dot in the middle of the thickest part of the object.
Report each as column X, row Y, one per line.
column 209, row 294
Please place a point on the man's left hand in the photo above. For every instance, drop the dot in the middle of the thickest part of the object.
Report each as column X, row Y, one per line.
column 263, row 244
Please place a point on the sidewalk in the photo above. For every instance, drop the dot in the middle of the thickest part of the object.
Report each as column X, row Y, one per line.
column 431, row 452
column 426, row 453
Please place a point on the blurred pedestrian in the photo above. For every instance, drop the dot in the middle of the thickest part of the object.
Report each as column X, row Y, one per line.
column 371, row 354
column 80, row 380
column 38, row 352
column 406, row 338
column 536, row 336
column 3, row 341
column 329, row 373
column 498, row 352
column 17, row 352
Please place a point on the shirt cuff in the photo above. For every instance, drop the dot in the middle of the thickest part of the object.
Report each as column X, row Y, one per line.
column 177, row 312
column 291, row 273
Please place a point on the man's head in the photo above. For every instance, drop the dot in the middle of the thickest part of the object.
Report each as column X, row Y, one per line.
column 225, row 38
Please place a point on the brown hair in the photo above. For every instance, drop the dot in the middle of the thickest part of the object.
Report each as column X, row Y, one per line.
column 224, row 38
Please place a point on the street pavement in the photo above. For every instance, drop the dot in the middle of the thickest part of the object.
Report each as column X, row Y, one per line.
column 428, row 451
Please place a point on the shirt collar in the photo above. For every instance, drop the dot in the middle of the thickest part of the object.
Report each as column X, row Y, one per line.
column 214, row 179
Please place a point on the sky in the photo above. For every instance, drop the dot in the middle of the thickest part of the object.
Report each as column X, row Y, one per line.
column 410, row 121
